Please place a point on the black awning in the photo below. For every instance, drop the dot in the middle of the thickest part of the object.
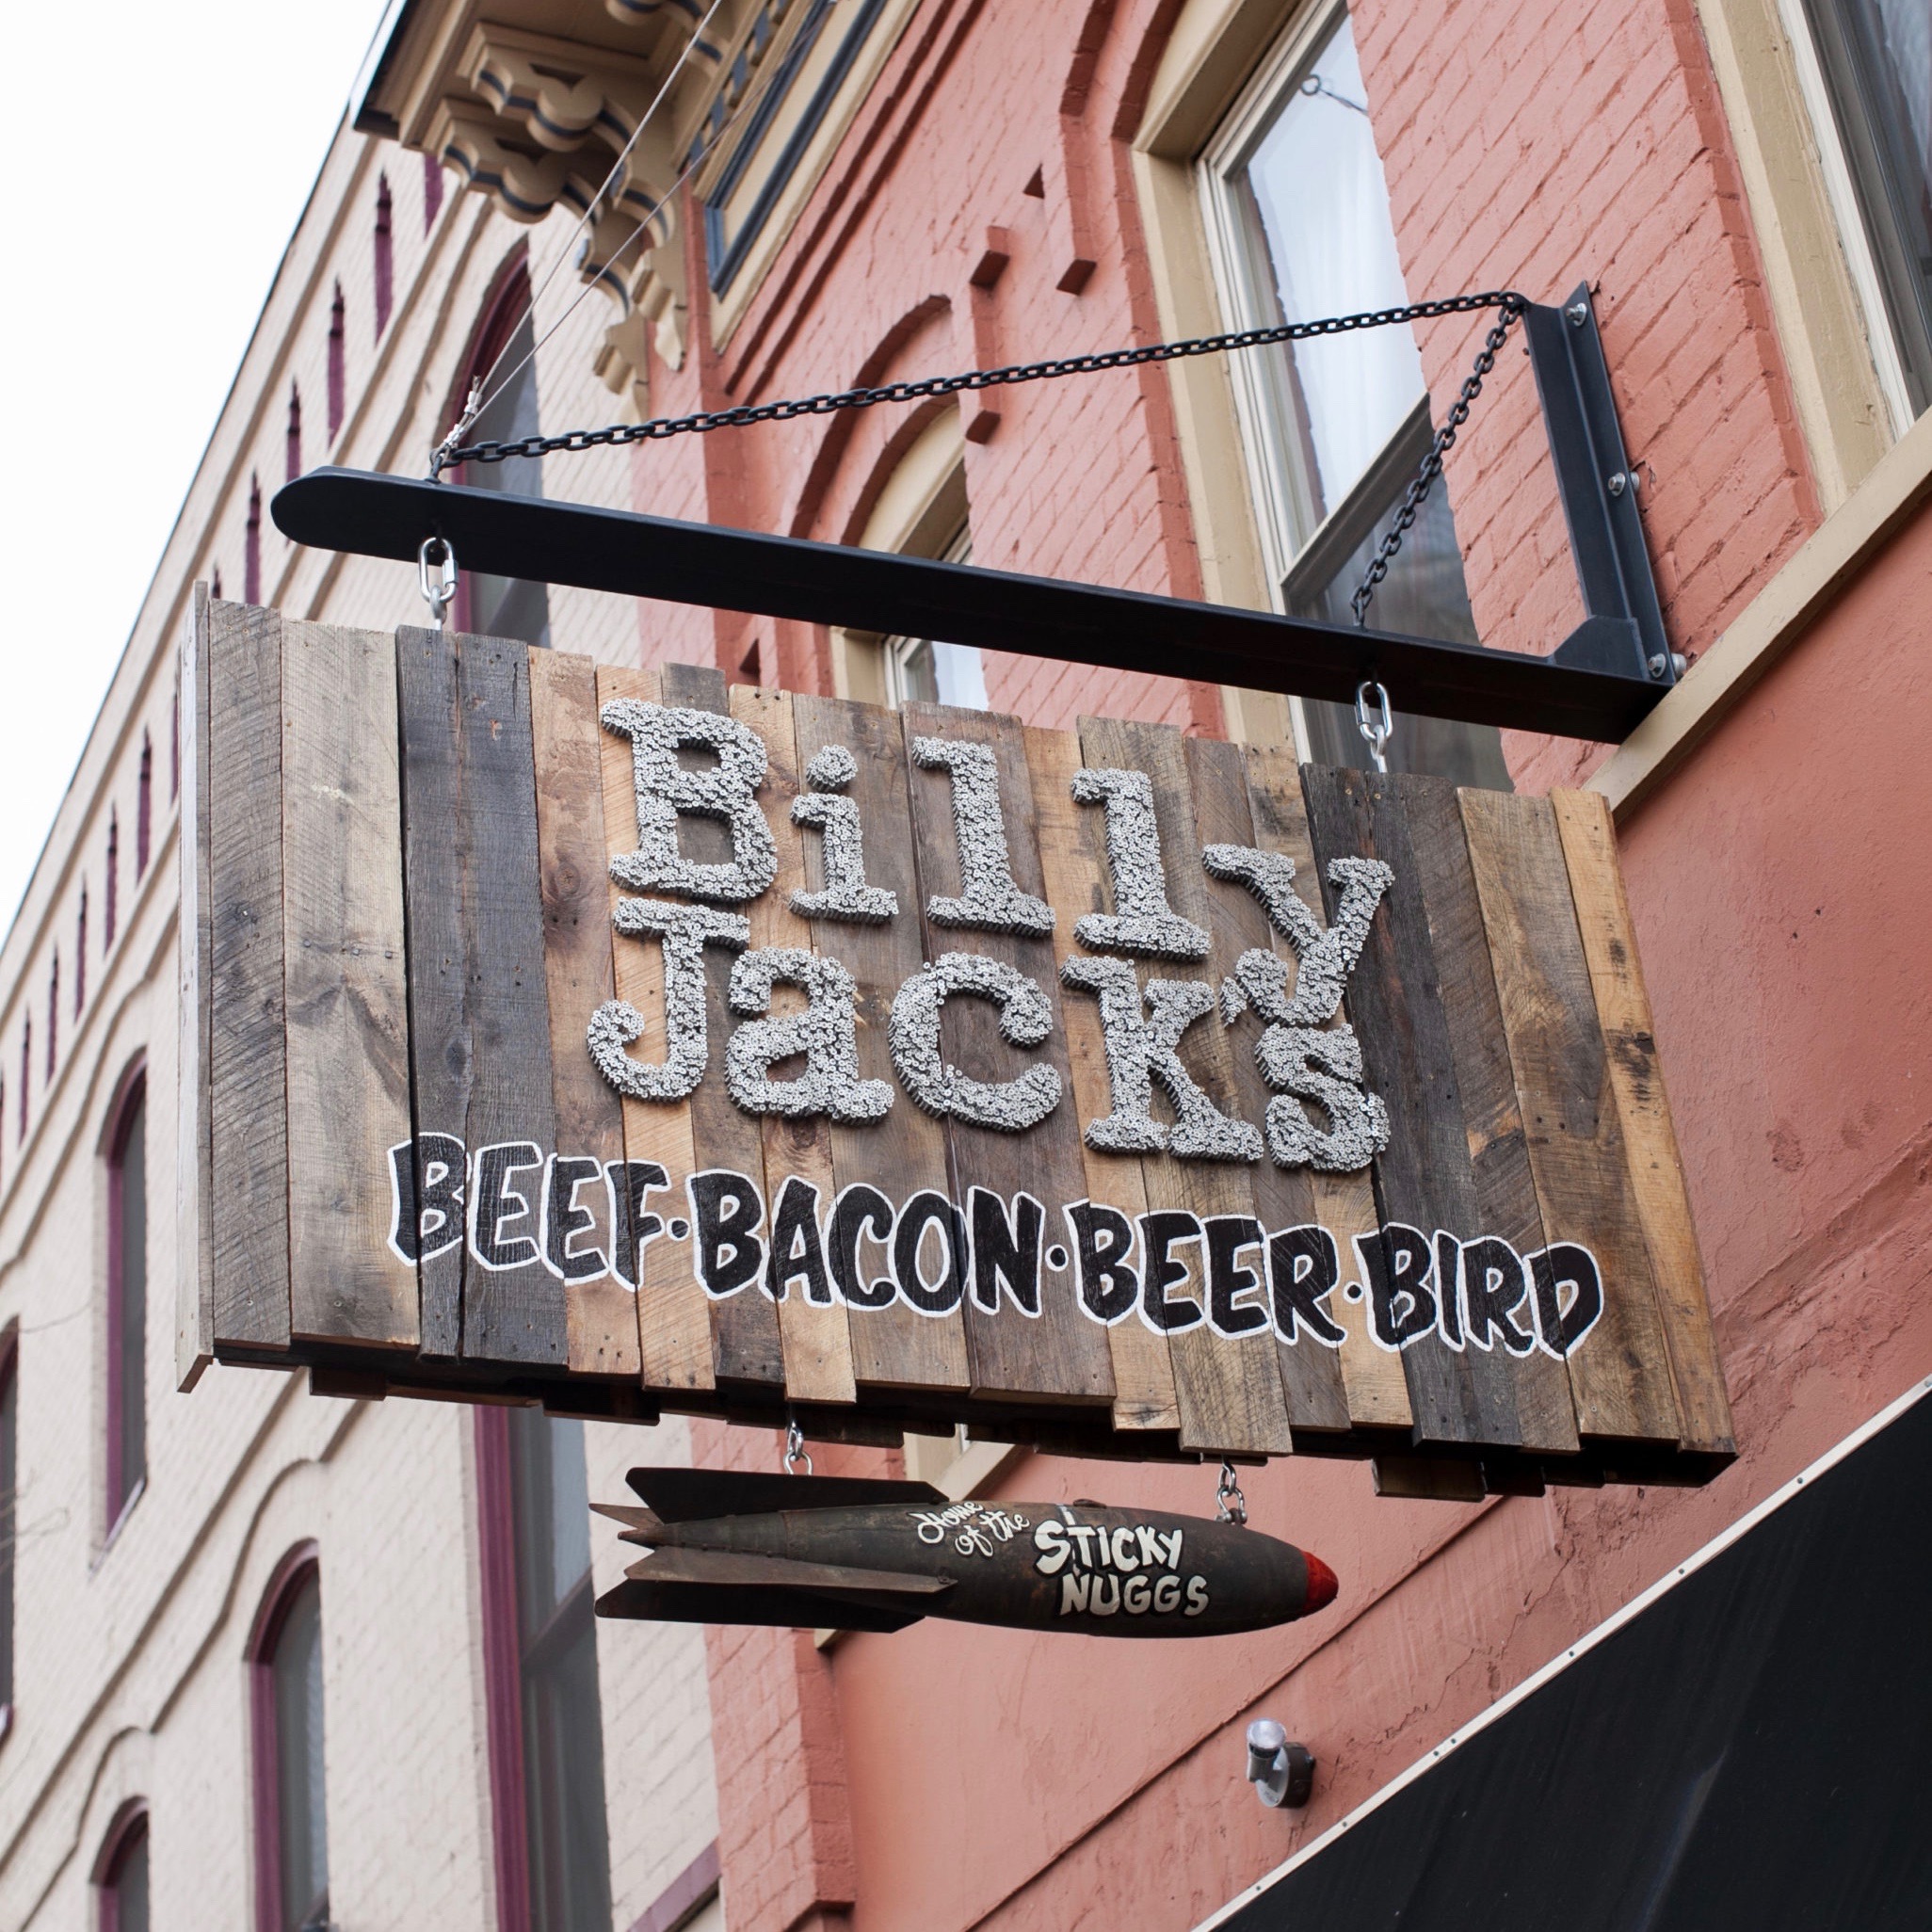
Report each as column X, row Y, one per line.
column 1752, row 1749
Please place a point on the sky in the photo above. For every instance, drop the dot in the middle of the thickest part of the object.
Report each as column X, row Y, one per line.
column 160, row 164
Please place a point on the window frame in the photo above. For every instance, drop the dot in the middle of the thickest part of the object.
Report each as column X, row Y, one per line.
column 119, row 1495
column 10, row 1518
column 1268, row 434
column 1848, row 214
column 128, row 1829
column 298, row 1569
column 506, row 1648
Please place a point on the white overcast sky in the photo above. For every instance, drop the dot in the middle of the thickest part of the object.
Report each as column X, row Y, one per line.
column 160, row 155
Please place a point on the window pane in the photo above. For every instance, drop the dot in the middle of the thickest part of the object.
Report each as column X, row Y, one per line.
column 301, row 1791
column 1877, row 57
column 127, row 1890
column 552, row 1511
column 508, row 606
column 563, row 1734
column 1316, row 186
column 563, row 1767
column 10, row 1412
column 128, row 1336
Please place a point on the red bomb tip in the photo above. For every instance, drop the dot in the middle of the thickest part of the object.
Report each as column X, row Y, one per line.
column 1321, row 1586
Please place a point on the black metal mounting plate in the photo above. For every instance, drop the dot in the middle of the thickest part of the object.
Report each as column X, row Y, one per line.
column 636, row 555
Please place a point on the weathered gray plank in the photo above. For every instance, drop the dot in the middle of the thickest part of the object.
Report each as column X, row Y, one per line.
column 194, row 1317
column 513, row 1312
column 440, row 1049
column 248, row 1052
column 600, row 1312
column 346, row 991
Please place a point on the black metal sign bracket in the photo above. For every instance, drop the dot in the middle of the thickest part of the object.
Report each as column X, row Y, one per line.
column 1597, row 684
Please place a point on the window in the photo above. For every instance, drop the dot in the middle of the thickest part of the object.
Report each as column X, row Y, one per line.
column 113, row 878
column 1335, row 428
column 1875, row 58
column 144, row 808
column 122, row 1874
column 432, row 190
column 920, row 509
column 9, row 1495
column 295, row 432
column 385, row 256
column 505, row 355
column 290, row 1793
column 80, row 952
column 26, row 1071
column 338, row 375
column 546, row 1737
column 920, row 671
column 127, row 1298
column 252, row 551
column 52, row 1018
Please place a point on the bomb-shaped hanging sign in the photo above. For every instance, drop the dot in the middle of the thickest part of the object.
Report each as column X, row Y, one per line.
column 851, row 1554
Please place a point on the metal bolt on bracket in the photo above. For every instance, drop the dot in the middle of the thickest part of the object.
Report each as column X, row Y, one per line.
column 1281, row 1770
column 1677, row 664
column 1617, row 482
column 1577, row 313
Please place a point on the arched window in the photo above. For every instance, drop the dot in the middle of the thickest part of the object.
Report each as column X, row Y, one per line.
column 338, row 373
column 503, row 355
column 252, row 545
column 920, row 511
column 385, row 256
column 291, row 1793
column 9, row 1489
column 432, row 190
column 26, row 1071
column 127, row 1298
column 144, row 808
column 80, row 952
column 113, row 880
column 52, row 1018
column 294, row 431
column 546, row 1734
column 121, row 1874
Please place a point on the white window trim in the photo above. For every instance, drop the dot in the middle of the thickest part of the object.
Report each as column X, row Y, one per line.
column 1272, row 471
column 1842, row 194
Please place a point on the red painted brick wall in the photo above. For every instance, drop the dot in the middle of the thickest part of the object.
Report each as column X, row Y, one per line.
column 948, row 1777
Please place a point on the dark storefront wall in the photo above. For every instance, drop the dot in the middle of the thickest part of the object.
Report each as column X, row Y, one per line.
column 1753, row 1749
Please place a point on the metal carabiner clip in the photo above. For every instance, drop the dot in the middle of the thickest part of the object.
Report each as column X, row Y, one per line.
column 1377, row 730
column 441, row 594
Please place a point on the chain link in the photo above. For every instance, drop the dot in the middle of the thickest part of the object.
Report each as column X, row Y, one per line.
column 619, row 434
column 1230, row 1505
column 1512, row 307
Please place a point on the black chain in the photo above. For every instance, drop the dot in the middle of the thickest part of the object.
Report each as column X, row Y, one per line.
column 617, row 435
column 1512, row 307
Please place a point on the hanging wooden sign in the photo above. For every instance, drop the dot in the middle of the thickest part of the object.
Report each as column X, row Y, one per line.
column 619, row 1039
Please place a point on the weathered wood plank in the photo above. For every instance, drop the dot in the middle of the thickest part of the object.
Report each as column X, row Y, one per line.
column 1056, row 1352
column 745, row 1342
column 441, row 1052
column 1228, row 1387
column 1619, row 1373
column 600, row 1311
column 673, row 1322
column 512, row 1311
column 346, row 982
column 893, row 1346
column 1656, row 1167
column 249, row 1025
column 1344, row 1204
column 1506, row 1192
column 1283, row 1197
column 194, row 1288
column 1072, row 854
column 1424, row 1179
column 815, row 1336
